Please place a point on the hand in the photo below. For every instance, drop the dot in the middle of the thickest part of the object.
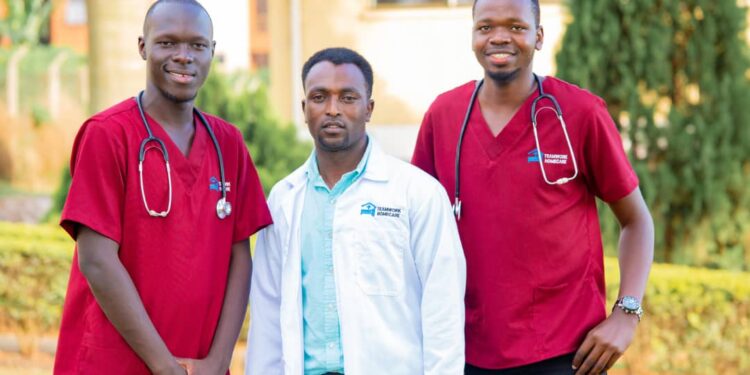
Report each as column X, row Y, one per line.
column 201, row 366
column 605, row 343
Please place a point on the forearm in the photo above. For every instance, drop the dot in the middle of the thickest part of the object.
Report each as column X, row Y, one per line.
column 636, row 253
column 235, row 305
column 119, row 300
column 636, row 246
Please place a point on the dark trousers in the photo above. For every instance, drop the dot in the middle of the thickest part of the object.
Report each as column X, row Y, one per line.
column 562, row 365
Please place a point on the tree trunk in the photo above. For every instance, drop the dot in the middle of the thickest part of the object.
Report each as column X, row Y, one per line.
column 116, row 70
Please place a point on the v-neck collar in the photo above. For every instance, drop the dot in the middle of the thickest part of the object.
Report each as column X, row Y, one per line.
column 494, row 146
column 188, row 167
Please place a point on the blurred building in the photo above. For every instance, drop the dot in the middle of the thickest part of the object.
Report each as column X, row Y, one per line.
column 418, row 48
column 232, row 30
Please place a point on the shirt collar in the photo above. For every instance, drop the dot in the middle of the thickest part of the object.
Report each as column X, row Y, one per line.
column 313, row 173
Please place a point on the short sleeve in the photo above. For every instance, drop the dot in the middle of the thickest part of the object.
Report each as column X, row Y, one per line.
column 424, row 153
column 252, row 210
column 97, row 188
column 610, row 174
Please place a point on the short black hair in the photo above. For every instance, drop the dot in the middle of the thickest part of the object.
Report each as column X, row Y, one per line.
column 339, row 56
column 186, row 2
column 534, row 9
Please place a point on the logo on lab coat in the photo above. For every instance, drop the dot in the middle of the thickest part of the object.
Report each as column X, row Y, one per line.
column 368, row 209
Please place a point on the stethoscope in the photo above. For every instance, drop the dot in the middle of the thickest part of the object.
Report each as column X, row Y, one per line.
column 534, row 113
column 223, row 208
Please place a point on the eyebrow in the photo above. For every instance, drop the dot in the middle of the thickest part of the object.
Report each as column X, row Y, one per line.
column 326, row 89
column 501, row 20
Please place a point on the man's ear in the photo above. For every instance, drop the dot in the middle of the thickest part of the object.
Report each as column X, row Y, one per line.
column 539, row 38
column 213, row 47
column 303, row 105
column 370, row 108
column 142, row 47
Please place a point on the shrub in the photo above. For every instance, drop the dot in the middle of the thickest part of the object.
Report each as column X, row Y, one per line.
column 674, row 74
column 34, row 268
column 242, row 100
column 697, row 321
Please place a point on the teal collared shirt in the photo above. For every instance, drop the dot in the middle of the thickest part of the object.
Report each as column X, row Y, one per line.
column 322, row 336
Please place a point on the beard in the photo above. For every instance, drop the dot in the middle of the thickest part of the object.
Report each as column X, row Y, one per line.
column 174, row 99
column 504, row 78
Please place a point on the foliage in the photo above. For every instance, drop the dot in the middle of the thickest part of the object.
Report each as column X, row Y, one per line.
column 676, row 76
column 26, row 21
column 34, row 267
column 242, row 100
column 58, row 199
column 697, row 321
column 34, row 75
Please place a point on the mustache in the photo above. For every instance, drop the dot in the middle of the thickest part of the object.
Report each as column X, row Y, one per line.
column 332, row 123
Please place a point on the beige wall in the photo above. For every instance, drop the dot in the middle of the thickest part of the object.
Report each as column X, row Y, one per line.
column 416, row 53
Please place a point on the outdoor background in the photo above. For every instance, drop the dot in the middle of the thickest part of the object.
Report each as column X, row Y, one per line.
column 675, row 74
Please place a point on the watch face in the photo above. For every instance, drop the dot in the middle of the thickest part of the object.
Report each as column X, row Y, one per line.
column 630, row 303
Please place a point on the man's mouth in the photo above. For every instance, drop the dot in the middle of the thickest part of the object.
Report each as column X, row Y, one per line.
column 500, row 58
column 181, row 77
column 333, row 125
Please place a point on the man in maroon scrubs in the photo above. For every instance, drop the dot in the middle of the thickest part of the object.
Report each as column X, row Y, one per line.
column 164, row 291
column 535, row 300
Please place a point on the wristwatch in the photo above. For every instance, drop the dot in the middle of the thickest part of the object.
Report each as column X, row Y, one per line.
column 630, row 305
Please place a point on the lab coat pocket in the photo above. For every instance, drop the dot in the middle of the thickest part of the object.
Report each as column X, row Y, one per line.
column 380, row 261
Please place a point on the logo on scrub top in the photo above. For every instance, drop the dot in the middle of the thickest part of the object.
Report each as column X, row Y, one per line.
column 534, row 155
column 367, row 209
column 373, row 210
column 215, row 185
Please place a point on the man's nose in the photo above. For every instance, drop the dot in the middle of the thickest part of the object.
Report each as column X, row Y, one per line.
column 183, row 54
column 332, row 107
column 500, row 36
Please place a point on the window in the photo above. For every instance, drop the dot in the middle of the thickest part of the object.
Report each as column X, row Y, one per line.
column 75, row 13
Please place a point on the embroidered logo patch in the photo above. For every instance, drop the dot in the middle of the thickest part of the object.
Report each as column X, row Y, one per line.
column 534, row 155
column 373, row 210
column 215, row 185
column 368, row 209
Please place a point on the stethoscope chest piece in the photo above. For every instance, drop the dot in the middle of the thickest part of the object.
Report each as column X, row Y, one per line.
column 534, row 113
column 223, row 208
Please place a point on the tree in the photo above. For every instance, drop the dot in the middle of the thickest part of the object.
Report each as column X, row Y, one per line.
column 242, row 100
column 26, row 21
column 676, row 77
column 116, row 70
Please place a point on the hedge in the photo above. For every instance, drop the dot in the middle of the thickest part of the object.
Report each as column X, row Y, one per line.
column 34, row 268
column 697, row 321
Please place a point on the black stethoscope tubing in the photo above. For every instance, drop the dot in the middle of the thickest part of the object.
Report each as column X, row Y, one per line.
column 464, row 125
column 223, row 208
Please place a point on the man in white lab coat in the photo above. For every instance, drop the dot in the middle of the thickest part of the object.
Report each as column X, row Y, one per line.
column 362, row 271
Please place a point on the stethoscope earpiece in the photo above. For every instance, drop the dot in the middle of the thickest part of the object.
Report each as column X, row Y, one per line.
column 223, row 208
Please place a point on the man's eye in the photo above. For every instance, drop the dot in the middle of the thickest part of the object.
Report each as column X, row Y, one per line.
column 483, row 28
column 199, row 45
column 349, row 98
column 518, row 28
column 164, row 43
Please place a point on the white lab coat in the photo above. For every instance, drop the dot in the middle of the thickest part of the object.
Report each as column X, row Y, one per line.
column 400, row 276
